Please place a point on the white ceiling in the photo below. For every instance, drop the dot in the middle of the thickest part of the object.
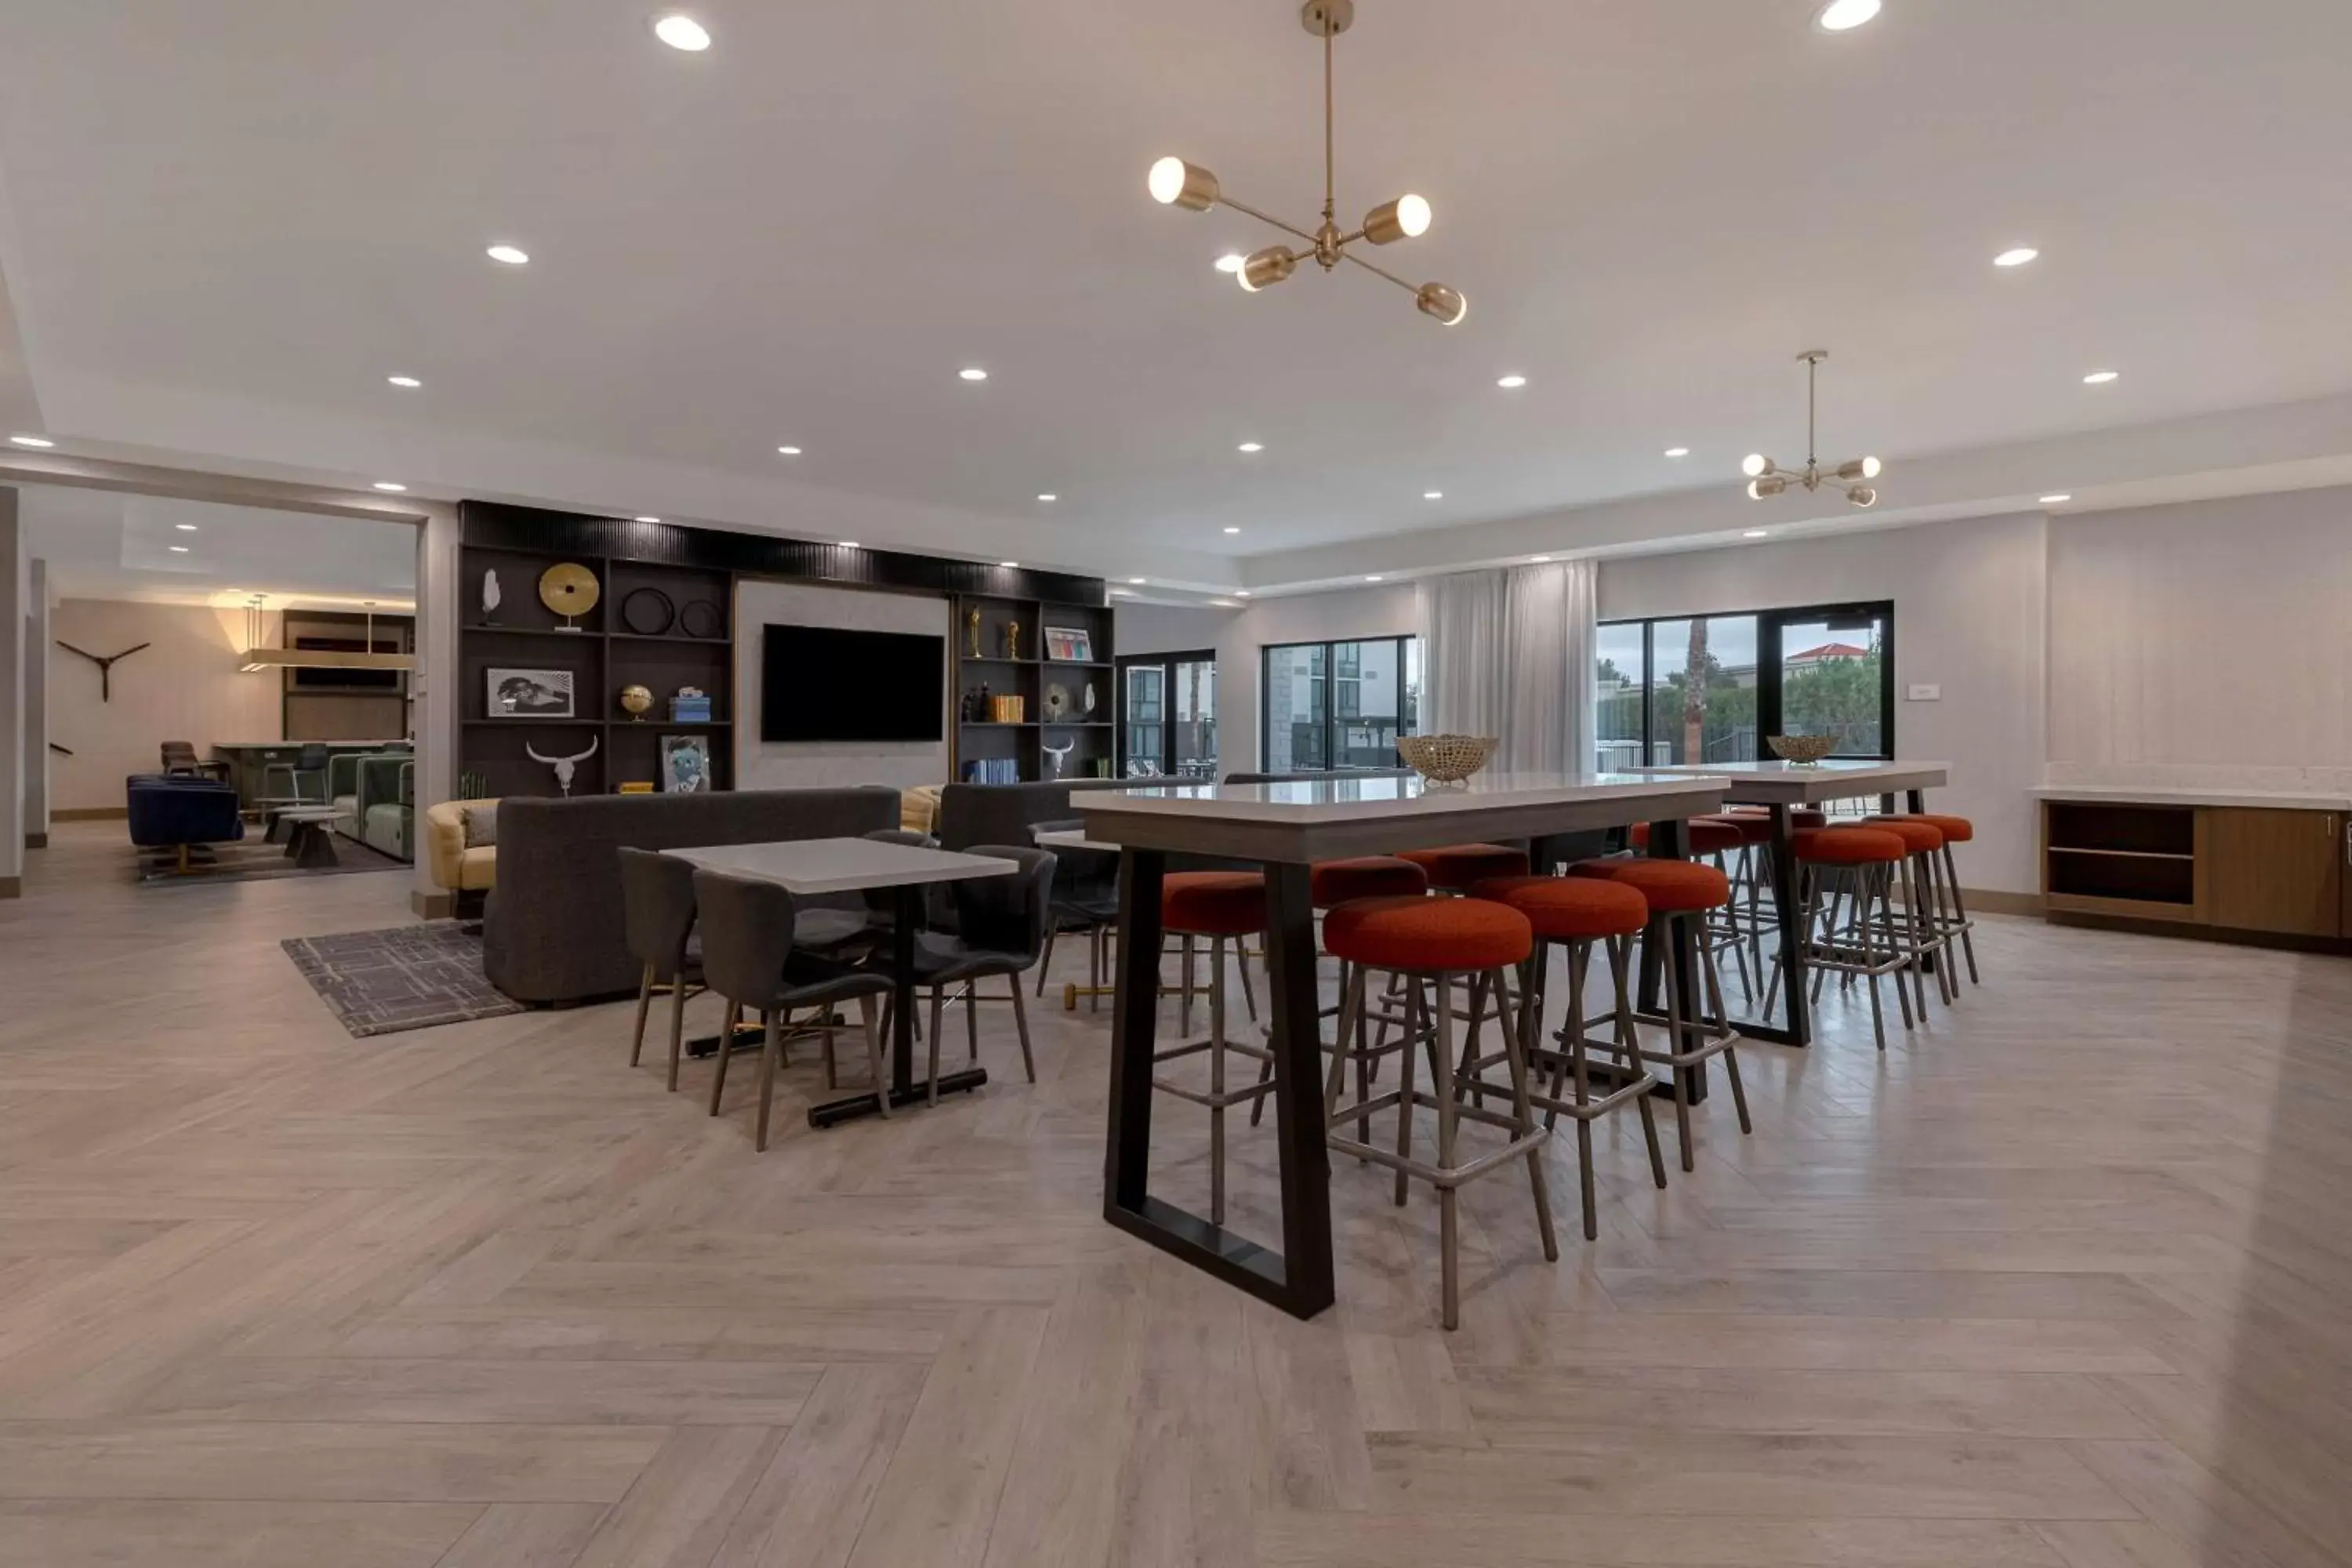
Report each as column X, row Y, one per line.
column 101, row 544
column 223, row 226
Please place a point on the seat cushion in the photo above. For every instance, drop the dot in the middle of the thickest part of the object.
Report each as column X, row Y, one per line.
column 1955, row 829
column 1212, row 903
column 1848, row 847
column 1459, row 866
column 1428, row 934
column 1919, row 837
column 1707, row 835
column 1372, row 877
column 1570, row 908
column 1669, row 887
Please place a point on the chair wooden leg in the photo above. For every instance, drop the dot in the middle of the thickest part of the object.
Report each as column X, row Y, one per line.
column 1629, row 1049
column 1053, row 930
column 645, row 1005
column 1960, row 913
column 770, row 1049
column 676, row 1027
column 725, row 1050
column 1217, row 1080
column 1020, row 1028
column 1670, row 969
column 880, row 1076
column 971, row 1016
column 1517, row 1033
column 1413, row 1021
column 1184, row 1007
column 939, row 1003
column 1449, row 1199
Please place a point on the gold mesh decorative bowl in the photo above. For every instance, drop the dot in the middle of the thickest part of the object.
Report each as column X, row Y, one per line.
column 1802, row 749
column 1447, row 759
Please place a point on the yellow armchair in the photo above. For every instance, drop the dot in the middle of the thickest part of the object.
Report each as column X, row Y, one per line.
column 454, row 866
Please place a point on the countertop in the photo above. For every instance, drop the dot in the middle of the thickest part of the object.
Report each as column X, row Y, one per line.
column 2257, row 799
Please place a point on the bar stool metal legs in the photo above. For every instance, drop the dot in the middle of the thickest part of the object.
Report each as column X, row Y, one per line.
column 1219, row 1097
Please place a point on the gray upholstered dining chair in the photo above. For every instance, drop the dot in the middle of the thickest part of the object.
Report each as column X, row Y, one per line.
column 657, row 927
column 1001, row 926
column 746, row 948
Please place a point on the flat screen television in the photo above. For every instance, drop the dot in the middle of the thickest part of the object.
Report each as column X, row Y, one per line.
column 825, row 683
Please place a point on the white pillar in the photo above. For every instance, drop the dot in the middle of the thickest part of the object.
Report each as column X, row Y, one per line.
column 37, row 708
column 439, row 608
column 14, row 582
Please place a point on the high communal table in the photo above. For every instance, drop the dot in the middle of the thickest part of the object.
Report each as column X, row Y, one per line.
column 1782, row 787
column 1287, row 828
column 808, row 867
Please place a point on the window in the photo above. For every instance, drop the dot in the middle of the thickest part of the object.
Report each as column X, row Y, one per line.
column 1710, row 688
column 1339, row 704
column 1168, row 715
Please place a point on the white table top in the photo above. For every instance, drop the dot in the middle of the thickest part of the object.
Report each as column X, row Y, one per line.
column 1777, row 783
column 2259, row 799
column 843, row 865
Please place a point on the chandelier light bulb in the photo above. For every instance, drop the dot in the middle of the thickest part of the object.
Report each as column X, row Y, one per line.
column 1863, row 495
column 1268, row 267
column 1768, row 487
column 1407, row 217
column 1446, row 304
column 1756, row 465
column 1860, row 468
column 1175, row 182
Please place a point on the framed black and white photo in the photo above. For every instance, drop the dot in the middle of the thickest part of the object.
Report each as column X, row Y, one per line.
column 685, row 764
column 1069, row 645
column 529, row 694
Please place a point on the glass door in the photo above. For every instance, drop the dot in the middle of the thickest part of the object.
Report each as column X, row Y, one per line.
column 1168, row 715
column 1832, row 672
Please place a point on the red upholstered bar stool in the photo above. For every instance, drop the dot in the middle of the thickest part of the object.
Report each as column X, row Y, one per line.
column 1920, row 930
column 1687, row 892
column 1332, row 882
column 1432, row 944
column 1850, row 871
column 1573, row 913
column 1951, row 910
column 1720, row 840
column 1459, row 867
column 1223, row 906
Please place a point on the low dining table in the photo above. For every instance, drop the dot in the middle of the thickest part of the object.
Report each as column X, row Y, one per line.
column 1782, row 787
column 1287, row 828
column 806, row 868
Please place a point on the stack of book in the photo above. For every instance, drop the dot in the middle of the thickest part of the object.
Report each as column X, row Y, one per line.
column 993, row 770
column 1008, row 710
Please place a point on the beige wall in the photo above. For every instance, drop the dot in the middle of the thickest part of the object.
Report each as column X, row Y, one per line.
column 185, row 688
column 1968, row 618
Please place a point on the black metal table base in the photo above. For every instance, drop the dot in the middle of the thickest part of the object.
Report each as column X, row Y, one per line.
column 850, row 1107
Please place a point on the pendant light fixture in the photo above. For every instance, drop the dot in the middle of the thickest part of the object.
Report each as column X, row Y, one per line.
column 1175, row 182
column 1767, row 479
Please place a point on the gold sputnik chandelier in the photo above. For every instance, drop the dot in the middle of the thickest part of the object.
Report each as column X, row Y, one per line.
column 1175, row 182
column 1767, row 479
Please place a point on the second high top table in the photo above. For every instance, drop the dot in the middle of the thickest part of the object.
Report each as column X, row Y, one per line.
column 1782, row 787
column 1287, row 828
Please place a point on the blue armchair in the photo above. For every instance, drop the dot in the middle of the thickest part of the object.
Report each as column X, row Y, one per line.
column 177, row 812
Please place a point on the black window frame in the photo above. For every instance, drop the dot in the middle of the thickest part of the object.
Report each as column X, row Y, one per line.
column 1770, row 624
column 1166, row 663
column 1332, row 719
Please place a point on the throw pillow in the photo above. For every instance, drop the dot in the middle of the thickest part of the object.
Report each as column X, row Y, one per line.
column 481, row 826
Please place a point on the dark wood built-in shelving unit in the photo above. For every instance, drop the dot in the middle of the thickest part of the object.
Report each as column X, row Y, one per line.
column 1032, row 677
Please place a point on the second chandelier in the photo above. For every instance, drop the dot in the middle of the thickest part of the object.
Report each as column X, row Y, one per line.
column 1767, row 479
column 1176, row 183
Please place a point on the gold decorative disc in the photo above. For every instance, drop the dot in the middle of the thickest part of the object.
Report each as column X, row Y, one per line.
column 568, row 588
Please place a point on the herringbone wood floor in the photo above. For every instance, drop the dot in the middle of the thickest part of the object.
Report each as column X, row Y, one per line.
column 2061, row 1280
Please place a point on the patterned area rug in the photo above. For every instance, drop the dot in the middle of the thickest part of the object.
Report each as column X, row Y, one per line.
column 410, row 977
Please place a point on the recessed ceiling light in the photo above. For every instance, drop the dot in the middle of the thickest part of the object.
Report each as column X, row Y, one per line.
column 2056, row 499
column 1233, row 530
column 788, row 451
column 1678, row 451
column 390, row 488
column 186, row 527
column 1232, row 261
column 1240, row 593
column 35, row 441
column 179, row 549
column 1757, row 533
column 1047, row 496
column 1224, row 605
column 1251, row 446
column 682, row 32
column 1839, row 15
column 1009, row 566
column 1512, row 383
column 648, row 520
column 972, row 372
column 1373, row 578
column 2017, row 257
column 409, row 382
column 1540, row 560
column 849, row 545
column 1432, row 495
column 2101, row 377
column 512, row 256
column 1137, row 581
column 1121, row 593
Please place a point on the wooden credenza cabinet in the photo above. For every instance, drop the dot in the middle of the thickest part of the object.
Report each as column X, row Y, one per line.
column 2278, row 871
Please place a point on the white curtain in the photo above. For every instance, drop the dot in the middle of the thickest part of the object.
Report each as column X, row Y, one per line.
column 1512, row 654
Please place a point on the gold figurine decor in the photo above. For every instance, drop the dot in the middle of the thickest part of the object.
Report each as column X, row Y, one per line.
column 568, row 589
column 1012, row 639
column 972, row 631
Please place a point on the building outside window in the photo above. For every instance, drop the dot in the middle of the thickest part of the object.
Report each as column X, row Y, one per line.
column 1712, row 689
column 1339, row 704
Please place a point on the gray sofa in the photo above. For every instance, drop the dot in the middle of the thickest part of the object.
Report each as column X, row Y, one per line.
column 551, row 930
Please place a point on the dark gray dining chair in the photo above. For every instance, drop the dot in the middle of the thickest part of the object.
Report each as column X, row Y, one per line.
column 658, row 927
column 1001, row 926
column 746, row 948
